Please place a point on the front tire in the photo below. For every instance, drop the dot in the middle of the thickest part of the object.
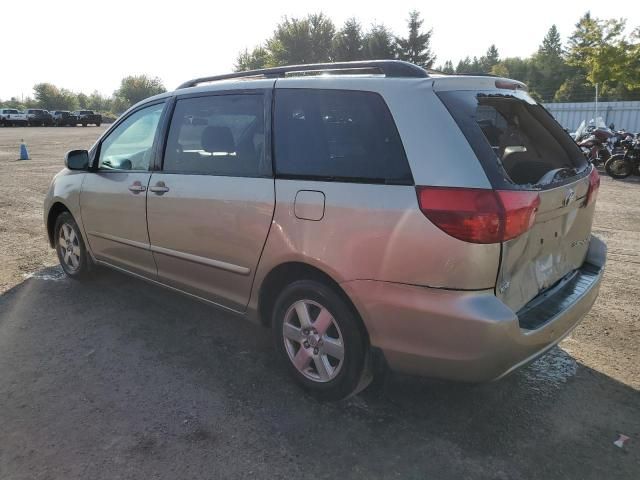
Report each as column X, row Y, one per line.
column 321, row 340
column 618, row 167
column 72, row 253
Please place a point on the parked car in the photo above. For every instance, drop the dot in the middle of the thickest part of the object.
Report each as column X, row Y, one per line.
column 437, row 224
column 63, row 118
column 38, row 117
column 10, row 117
column 87, row 117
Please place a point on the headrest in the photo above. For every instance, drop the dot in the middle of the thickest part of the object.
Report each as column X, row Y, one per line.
column 217, row 139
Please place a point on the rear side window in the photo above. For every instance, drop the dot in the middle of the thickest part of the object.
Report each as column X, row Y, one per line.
column 218, row 135
column 337, row 135
column 517, row 141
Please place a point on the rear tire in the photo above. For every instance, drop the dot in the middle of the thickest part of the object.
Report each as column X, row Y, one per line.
column 72, row 253
column 320, row 339
column 618, row 167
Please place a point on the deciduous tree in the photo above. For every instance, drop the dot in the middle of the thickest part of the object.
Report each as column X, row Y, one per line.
column 136, row 88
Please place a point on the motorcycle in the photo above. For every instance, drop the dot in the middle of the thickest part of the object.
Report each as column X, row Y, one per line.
column 617, row 141
column 596, row 147
column 621, row 165
column 593, row 139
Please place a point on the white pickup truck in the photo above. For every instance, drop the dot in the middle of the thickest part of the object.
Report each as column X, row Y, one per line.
column 11, row 116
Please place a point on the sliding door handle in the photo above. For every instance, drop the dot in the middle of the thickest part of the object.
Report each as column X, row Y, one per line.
column 159, row 188
column 137, row 187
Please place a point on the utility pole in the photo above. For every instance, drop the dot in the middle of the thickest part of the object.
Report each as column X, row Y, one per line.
column 596, row 115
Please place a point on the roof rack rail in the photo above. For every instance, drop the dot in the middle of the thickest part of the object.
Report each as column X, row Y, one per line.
column 388, row 68
column 478, row 74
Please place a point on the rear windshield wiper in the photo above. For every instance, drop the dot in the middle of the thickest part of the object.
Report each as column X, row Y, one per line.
column 556, row 175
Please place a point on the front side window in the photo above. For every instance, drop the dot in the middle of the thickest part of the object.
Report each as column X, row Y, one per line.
column 339, row 135
column 218, row 135
column 129, row 145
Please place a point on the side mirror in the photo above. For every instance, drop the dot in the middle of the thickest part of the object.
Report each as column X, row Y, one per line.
column 77, row 160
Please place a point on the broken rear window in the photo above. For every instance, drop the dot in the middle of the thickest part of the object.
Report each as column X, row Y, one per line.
column 517, row 141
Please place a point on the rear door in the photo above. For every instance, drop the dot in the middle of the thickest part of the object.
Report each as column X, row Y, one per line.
column 521, row 147
column 210, row 208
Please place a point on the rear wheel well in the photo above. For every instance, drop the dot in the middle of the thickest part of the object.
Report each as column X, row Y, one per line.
column 55, row 210
column 286, row 273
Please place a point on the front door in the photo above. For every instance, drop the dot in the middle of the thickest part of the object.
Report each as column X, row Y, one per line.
column 210, row 208
column 113, row 198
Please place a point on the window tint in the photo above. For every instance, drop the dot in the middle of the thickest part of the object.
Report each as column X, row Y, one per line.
column 218, row 135
column 526, row 140
column 128, row 147
column 337, row 135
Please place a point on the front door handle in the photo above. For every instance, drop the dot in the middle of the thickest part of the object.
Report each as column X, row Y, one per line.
column 137, row 187
column 159, row 188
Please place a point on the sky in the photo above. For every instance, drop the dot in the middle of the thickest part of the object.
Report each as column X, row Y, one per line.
column 91, row 45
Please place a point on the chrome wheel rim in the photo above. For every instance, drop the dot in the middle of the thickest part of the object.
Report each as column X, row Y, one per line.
column 69, row 247
column 313, row 341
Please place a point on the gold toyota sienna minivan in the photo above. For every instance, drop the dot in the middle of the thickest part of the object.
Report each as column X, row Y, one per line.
column 362, row 210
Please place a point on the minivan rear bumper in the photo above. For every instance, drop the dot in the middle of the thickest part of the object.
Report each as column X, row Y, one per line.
column 470, row 335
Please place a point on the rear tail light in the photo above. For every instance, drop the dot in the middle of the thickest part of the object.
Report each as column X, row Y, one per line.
column 478, row 215
column 594, row 186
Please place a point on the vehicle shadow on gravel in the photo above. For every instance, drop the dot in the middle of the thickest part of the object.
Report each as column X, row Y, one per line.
column 115, row 376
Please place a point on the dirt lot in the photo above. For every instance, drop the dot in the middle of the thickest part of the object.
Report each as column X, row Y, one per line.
column 119, row 379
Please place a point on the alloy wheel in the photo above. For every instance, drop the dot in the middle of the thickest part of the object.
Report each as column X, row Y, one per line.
column 69, row 247
column 313, row 341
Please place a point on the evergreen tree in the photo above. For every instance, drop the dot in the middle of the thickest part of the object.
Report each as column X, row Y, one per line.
column 379, row 44
column 477, row 66
column 307, row 40
column 348, row 43
column 548, row 67
column 321, row 31
column 416, row 48
column 464, row 66
column 489, row 60
column 447, row 68
column 551, row 43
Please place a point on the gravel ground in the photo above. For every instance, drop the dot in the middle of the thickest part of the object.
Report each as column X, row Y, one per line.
column 117, row 379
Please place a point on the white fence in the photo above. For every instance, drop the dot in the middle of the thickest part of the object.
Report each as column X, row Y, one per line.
column 622, row 114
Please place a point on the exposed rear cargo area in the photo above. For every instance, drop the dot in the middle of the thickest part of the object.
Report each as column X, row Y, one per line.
column 523, row 149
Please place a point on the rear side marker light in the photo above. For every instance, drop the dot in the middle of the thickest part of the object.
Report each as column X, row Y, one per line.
column 478, row 215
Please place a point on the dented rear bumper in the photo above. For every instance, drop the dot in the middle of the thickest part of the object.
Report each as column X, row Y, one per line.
column 472, row 335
